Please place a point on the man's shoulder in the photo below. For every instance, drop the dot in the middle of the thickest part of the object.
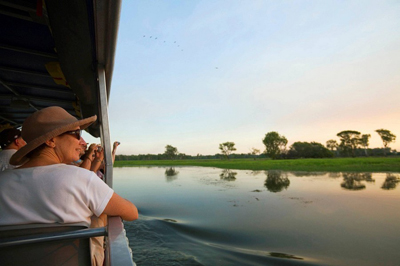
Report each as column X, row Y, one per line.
column 5, row 156
column 7, row 152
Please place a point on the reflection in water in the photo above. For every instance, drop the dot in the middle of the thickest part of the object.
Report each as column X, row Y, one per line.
column 390, row 182
column 367, row 177
column 352, row 184
column 187, row 224
column 302, row 173
column 352, row 181
column 334, row 175
column 228, row 175
column 171, row 174
column 276, row 181
column 255, row 172
column 283, row 255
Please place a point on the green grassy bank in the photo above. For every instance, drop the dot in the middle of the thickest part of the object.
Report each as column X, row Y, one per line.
column 370, row 164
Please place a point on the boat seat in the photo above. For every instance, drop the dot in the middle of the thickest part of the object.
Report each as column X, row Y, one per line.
column 40, row 244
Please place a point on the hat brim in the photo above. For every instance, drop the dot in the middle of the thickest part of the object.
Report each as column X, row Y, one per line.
column 20, row 158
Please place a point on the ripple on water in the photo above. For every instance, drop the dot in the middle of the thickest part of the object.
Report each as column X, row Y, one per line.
column 210, row 216
column 150, row 246
column 157, row 241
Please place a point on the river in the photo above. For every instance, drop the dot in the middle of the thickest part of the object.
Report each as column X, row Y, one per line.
column 211, row 216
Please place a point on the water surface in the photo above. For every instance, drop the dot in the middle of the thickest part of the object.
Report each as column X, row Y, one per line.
column 210, row 216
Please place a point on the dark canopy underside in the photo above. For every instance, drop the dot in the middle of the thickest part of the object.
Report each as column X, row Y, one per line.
column 40, row 44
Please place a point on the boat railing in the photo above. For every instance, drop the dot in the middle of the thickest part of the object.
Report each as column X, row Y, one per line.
column 39, row 238
column 117, row 251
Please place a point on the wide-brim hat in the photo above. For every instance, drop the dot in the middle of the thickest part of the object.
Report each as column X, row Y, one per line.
column 44, row 125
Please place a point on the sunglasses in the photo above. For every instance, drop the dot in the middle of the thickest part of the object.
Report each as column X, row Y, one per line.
column 77, row 133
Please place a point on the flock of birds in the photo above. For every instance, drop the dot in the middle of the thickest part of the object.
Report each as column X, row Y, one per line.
column 155, row 38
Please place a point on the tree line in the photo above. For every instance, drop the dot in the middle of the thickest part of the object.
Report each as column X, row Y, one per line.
column 351, row 143
column 351, row 140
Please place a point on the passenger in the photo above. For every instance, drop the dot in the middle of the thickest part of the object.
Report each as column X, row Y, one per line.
column 47, row 188
column 86, row 156
column 89, row 157
column 10, row 142
column 94, row 159
column 89, row 154
column 115, row 146
column 98, row 162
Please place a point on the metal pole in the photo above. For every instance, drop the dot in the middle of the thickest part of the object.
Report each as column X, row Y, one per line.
column 8, row 120
column 28, row 51
column 104, row 125
column 15, row 92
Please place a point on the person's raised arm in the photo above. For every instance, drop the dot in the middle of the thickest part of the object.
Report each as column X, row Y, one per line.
column 98, row 159
column 118, row 206
column 115, row 145
column 88, row 157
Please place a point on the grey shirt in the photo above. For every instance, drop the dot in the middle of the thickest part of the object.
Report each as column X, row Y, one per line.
column 5, row 156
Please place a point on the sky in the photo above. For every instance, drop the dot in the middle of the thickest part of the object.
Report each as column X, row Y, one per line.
column 194, row 74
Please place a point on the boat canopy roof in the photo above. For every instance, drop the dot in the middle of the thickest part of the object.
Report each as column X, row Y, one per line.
column 50, row 51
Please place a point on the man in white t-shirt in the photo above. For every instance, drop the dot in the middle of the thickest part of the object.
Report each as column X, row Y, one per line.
column 10, row 142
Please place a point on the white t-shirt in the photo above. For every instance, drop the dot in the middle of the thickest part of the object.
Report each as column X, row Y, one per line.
column 5, row 156
column 56, row 193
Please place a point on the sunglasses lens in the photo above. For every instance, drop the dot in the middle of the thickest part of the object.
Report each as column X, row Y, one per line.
column 78, row 134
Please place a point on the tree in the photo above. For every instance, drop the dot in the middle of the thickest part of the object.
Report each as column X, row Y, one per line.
column 364, row 141
column 332, row 144
column 274, row 144
column 387, row 137
column 308, row 150
column 171, row 152
column 349, row 141
column 227, row 148
column 255, row 152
